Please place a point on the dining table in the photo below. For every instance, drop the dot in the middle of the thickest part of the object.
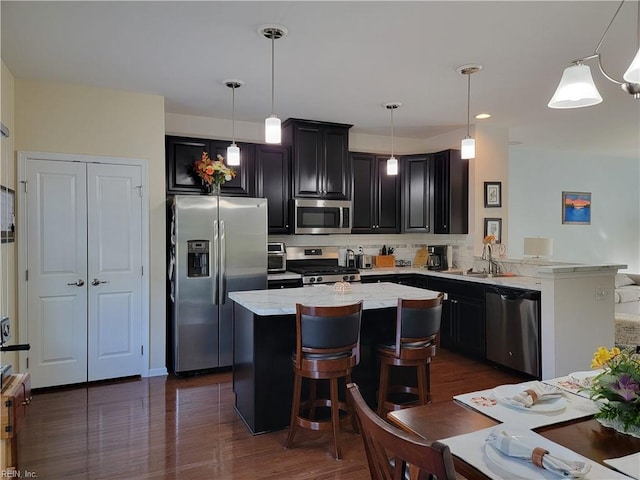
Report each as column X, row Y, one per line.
column 464, row 425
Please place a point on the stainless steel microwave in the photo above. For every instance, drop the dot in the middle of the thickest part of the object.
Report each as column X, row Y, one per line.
column 312, row 216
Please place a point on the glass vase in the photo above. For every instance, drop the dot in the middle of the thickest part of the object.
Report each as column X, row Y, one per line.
column 211, row 188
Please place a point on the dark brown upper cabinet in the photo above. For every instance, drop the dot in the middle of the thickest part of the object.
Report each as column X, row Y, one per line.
column 376, row 195
column 320, row 158
column 451, row 192
column 273, row 164
column 182, row 152
column 417, row 193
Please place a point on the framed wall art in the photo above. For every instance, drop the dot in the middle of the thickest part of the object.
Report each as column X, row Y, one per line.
column 7, row 214
column 493, row 226
column 492, row 194
column 576, row 208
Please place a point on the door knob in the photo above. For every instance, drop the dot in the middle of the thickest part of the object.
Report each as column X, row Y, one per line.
column 79, row 283
column 95, row 281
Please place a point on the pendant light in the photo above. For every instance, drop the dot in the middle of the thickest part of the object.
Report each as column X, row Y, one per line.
column 577, row 89
column 272, row 126
column 468, row 145
column 392, row 162
column 233, row 151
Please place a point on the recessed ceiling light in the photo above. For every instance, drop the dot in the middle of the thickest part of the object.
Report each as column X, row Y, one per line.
column 482, row 116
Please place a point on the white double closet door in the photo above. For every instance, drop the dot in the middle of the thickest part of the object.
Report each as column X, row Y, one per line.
column 84, row 271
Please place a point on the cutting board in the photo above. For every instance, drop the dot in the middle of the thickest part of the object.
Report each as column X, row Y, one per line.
column 421, row 258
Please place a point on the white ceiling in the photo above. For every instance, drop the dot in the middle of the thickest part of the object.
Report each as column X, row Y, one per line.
column 342, row 60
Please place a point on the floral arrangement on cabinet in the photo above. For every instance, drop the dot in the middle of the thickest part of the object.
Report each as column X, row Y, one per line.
column 617, row 388
column 213, row 172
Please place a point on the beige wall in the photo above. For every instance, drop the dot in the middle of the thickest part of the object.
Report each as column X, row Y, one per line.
column 8, row 299
column 64, row 118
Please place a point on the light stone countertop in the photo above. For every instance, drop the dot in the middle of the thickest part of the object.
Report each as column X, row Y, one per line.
column 283, row 301
column 516, row 281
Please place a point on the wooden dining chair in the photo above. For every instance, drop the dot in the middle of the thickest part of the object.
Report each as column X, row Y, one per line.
column 327, row 348
column 417, row 331
column 393, row 454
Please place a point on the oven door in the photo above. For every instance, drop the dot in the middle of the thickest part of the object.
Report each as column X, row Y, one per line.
column 276, row 262
column 322, row 216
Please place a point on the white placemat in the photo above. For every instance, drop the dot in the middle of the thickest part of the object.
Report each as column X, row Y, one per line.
column 568, row 384
column 629, row 464
column 484, row 401
column 470, row 448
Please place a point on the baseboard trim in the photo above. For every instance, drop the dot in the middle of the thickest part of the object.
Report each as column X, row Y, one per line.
column 156, row 372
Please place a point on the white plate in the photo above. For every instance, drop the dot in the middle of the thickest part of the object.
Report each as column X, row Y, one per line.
column 504, row 393
column 513, row 468
column 584, row 378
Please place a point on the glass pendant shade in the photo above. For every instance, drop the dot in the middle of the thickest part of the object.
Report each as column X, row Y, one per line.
column 392, row 166
column 272, row 130
column 468, row 148
column 233, row 154
column 576, row 89
column 632, row 75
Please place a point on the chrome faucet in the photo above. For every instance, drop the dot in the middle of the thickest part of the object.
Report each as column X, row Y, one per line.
column 494, row 268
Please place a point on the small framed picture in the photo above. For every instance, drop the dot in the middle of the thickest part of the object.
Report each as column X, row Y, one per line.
column 492, row 194
column 493, row 226
column 576, row 208
column 7, row 217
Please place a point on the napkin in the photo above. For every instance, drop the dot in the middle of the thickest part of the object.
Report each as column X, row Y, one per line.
column 535, row 393
column 629, row 465
column 514, row 447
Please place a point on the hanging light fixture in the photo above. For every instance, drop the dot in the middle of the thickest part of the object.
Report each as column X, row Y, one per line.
column 233, row 151
column 272, row 126
column 468, row 144
column 577, row 89
column 392, row 162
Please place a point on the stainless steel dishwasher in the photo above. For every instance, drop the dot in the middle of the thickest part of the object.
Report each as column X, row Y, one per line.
column 513, row 328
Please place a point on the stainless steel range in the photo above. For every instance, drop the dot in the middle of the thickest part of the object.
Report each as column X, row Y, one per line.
column 319, row 265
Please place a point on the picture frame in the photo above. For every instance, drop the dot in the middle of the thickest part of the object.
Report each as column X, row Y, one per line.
column 576, row 208
column 492, row 194
column 493, row 226
column 7, row 215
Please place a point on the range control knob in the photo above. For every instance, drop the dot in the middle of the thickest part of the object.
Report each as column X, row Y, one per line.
column 352, row 277
column 319, row 279
column 312, row 279
column 346, row 277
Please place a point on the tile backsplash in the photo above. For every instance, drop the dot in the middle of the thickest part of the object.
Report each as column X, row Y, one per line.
column 406, row 245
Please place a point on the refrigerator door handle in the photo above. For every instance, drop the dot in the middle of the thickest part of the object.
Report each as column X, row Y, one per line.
column 223, row 266
column 215, row 264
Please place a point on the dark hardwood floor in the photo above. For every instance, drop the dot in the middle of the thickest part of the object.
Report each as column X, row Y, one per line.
column 186, row 428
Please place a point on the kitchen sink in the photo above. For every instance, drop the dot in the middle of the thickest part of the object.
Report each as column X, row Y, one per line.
column 483, row 274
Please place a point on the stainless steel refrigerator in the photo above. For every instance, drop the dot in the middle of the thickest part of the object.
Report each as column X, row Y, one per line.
column 220, row 246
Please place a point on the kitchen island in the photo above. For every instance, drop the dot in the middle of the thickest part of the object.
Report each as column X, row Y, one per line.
column 265, row 336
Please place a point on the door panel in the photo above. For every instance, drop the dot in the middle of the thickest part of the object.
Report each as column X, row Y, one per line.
column 84, row 225
column 57, row 272
column 114, row 266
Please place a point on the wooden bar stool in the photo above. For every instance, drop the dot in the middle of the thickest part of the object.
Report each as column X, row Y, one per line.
column 417, row 330
column 327, row 348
